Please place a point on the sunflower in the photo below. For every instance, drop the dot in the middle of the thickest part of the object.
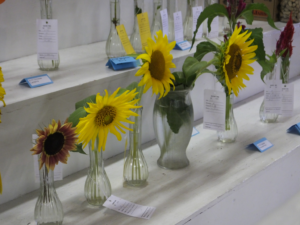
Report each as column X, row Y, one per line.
column 1, row 189
column 2, row 90
column 156, row 69
column 54, row 144
column 238, row 56
column 106, row 115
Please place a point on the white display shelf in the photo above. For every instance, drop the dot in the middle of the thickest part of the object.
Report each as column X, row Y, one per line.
column 216, row 170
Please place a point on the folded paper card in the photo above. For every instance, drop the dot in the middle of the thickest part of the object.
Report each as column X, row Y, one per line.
column 295, row 129
column 184, row 45
column 262, row 145
column 195, row 132
column 37, row 81
column 122, row 63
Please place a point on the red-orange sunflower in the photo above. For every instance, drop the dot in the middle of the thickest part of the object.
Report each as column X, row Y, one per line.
column 54, row 144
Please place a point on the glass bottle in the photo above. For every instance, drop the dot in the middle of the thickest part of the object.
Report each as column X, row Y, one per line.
column 114, row 47
column 135, row 38
column 135, row 171
column 156, row 24
column 231, row 130
column 220, row 19
column 268, row 117
column 189, row 19
column 285, row 69
column 48, row 209
column 46, row 13
column 97, row 186
column 173, row 7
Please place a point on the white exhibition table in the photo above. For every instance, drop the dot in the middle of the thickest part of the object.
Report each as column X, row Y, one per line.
column 215, row 169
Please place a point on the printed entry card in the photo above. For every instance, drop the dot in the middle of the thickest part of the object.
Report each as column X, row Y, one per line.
column 47, row 39
column 262, row 145
column 37, row 81
column 214, row 32
column 273, row 89
column 196, row 13
column 295, row 129
column 178, row 27
column 122, row 63
column 165, row 21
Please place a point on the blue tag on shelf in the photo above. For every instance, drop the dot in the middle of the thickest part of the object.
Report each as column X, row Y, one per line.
column 195, row 132
column 37, row 81
column 295, row 129
column 262, row 145
column 184, row 45
column 122, row 63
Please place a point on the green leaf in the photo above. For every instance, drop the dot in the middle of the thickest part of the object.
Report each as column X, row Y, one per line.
column 266, row 66
column 257, row 6
column 79, row 149
column 179, row 78
column 257, row 35
column 83, row 103
column 76, row 115
column 138, row 10
column 210, row 12
column 203, row 48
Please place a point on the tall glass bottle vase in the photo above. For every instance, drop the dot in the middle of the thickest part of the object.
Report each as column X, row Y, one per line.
column 46, row 13
column 135, row 171
column 188, row 23
column 285, row 69
column 114, row 47
column 173, row 118
column 97, row 186
column 48, row 209
column 173, row 6
column 156, row 24
column 231, row 131
column 264, row 116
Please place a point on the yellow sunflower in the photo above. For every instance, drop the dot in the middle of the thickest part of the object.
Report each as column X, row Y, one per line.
column 1, row 189
column 106, row 115
column 54, row 144
column 238, row 56
column 2, row 90
column 156, row 69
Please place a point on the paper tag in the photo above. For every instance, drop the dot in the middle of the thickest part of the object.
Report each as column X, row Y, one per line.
column 196, row 13
column 125, row 40
column 214, row 110
column 262, row 145
column 287, row 100
column 144, row 27
column 184, row 45
column 58, row 170
column 295, row 129
column 47, row 39
column 122, row 63
column 178, row 28
column 273, row 89
column 214, row 33
column 195, row 132
column 129, row 208
column 165, row 21
column 37, row 81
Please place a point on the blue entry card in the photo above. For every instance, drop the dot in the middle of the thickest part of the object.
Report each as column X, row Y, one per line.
column 262, row 145
column 295, row 129
column 37, row 81
column 122, row 63
column 184, row 45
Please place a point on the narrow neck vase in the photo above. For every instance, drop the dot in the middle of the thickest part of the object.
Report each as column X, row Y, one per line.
column 285, row 69
column 48, row 209
column 173, row 6
column 114, row 47
column 46, row 13
column 156, row 24
column 135, row 170
column 97, row 186
column 189, row 19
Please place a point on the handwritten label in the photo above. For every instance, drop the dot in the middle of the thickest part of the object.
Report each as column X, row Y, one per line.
column 37, row 81
column 273, row 90
column 129, row 208
column 144, row 27
column 164, row 21
column 125, row 40
column 196, row 13
column 214, row 110
column 178, row 27
column 47, row 39
column 287, row 100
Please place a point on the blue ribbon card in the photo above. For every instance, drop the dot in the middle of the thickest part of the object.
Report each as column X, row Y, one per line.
column 37, row 81
column 262, row 145
column 295, row 129
column 122, row 63
column 184, row 45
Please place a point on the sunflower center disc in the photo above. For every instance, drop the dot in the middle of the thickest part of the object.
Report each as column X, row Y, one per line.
column 235, row 61
column 106, row 116
column 54, row 143
column 157, row 65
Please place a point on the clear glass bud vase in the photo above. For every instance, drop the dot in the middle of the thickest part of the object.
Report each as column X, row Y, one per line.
column 285, row 69
column 173, row 7
column 173, row 118
column 48, row 209
column 231, row 130
column 46, row 13
column 135, row 38
column 135, row 171
column 268, row 117
column 97, row 186
column 188, row 23
column 156, row 24
column 114, row 47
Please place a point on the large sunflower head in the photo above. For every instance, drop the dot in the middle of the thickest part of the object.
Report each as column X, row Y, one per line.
column 157, row 64
column 106, row 115
column 54, row 144
column 238, row 55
